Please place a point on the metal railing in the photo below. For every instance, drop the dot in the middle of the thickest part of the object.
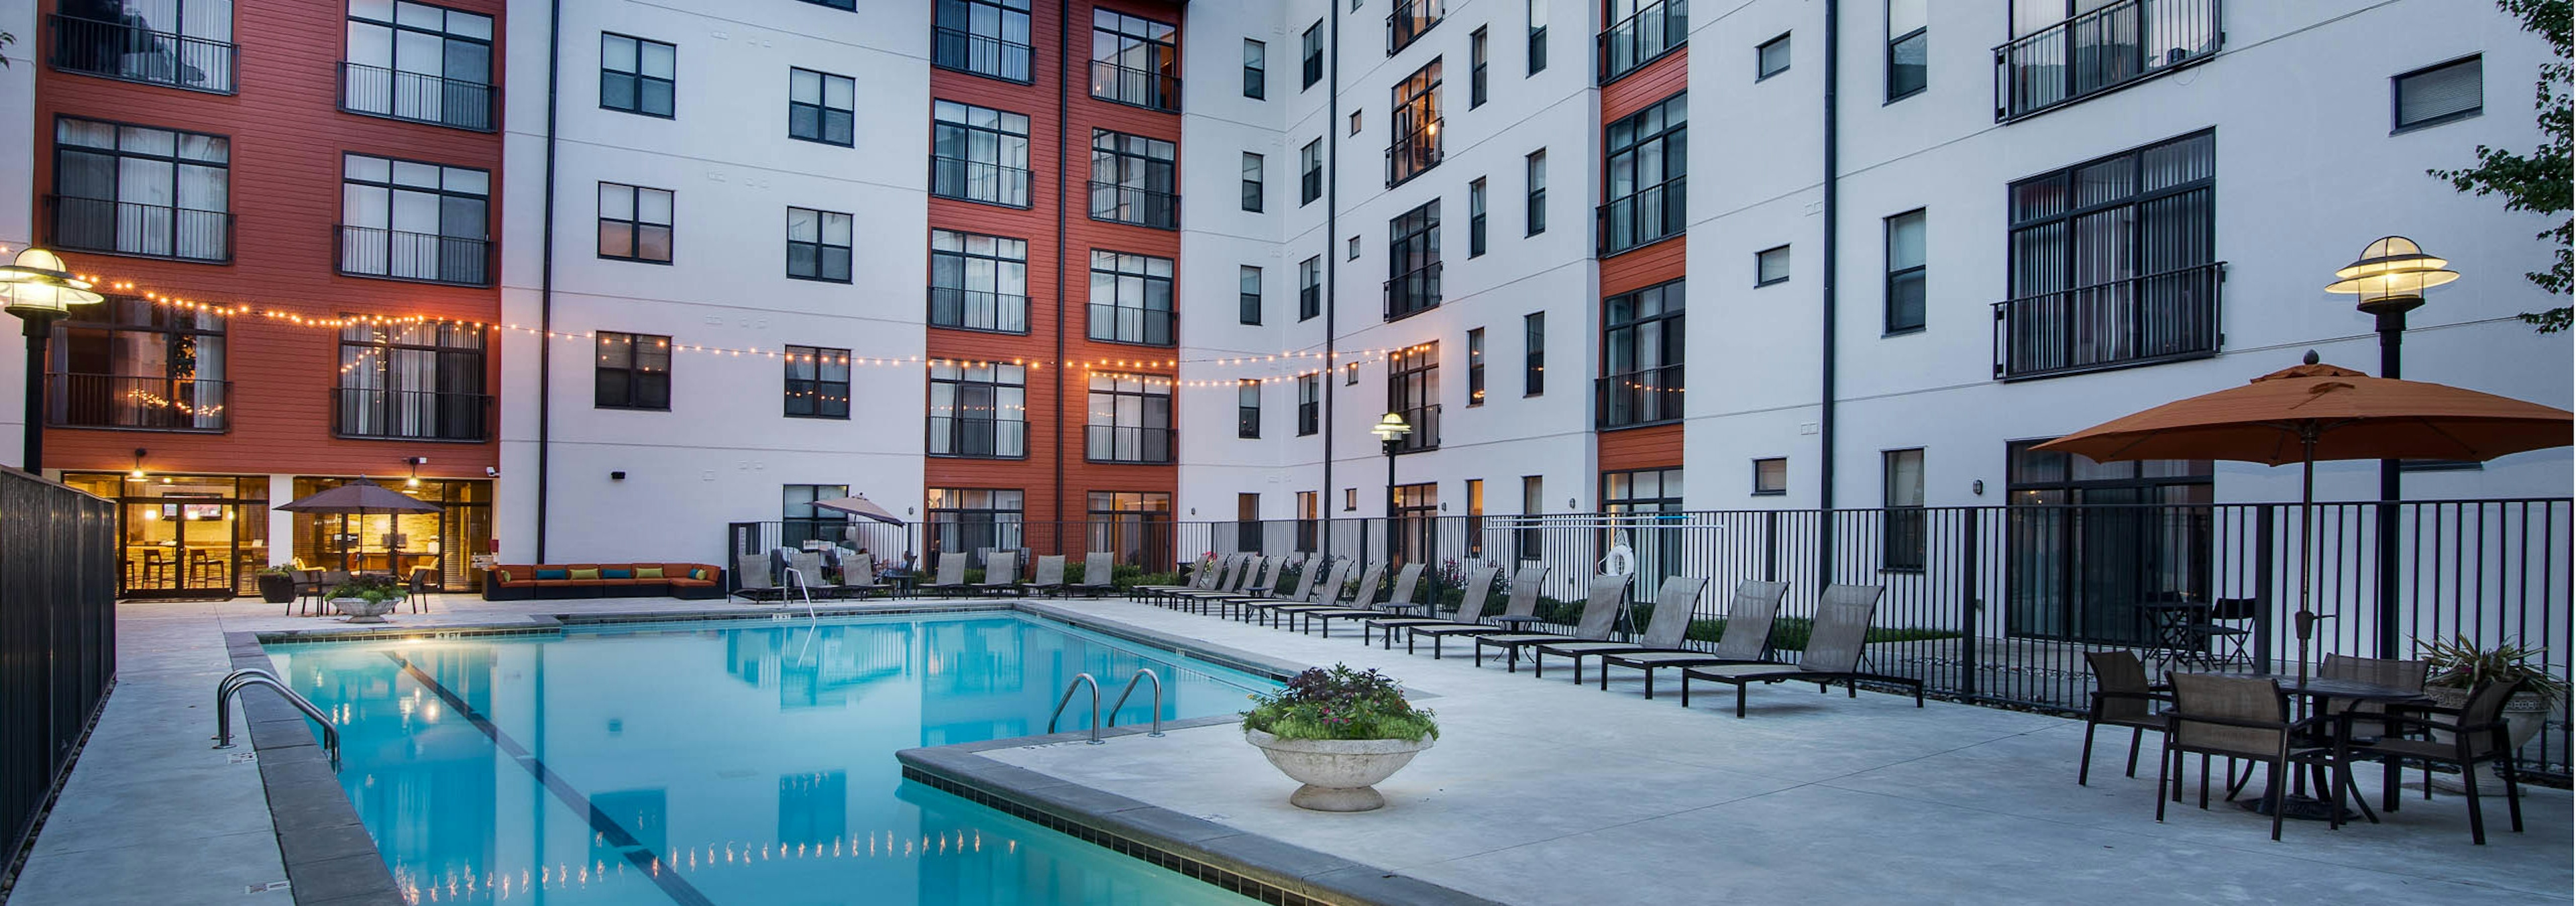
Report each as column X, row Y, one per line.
column 984, row 55
column 381, row 414
column 1655, row 212
column 1119, row 203
column 131, row 228
column 1416, row 291
column 2135, row 321
column 1413, row 152
column 1642, row 397
column 1408, row 21
column 975, row 309
column 232, row 685
column 140, row 403
column 416, row 97
column 1142, row 673
column 57, row 637
column 375, row 252
column 989, row 182
column 135, row 53
column 1121, row 444
column 1135, row 87
column 978, row 438
column 1110, row 323
column 1080, row 680
column 1631, row 43
column 2102, row 50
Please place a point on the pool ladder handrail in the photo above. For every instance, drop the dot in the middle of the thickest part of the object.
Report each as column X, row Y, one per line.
column 1079, row 679
column 1142, row 673
column 796, row 577
column 233, row 683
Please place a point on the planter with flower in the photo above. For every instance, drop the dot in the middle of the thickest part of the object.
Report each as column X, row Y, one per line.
column 1339, row 732
column 2459, row 666
column 277, row 585
column 366, row 599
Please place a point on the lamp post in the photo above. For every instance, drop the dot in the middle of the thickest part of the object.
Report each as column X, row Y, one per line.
column 1391, row 431
column 39, row 288
column 2390, row 278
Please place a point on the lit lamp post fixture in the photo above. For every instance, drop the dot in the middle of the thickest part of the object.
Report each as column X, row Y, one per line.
column 39, row 288
column 1391, row 431
column 2390, row 277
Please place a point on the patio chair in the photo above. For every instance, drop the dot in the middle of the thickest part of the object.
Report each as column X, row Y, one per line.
column 1522, row 601
column 416, row 589
column 1601, row 604
column 1001, row 574
column 1675, row 602
column 2401, row 674
column 1834, row 649
column 1211, row 575
column 1307, row 572
column 1098, row 574
column 951, row 578
column 859, row 577
column 310, row 589
column 807, row 573
column 2230, row 717
column 2122, row 697
column 1245, row 578
column 2477, row 735
column 1397, row 602
column 1472, row 604
column 1745, row 640
column 751, row 576
column 1050, row 576
column 1262, row 584
column 1199, row 576
column 1322, row 595
column 1363, row 596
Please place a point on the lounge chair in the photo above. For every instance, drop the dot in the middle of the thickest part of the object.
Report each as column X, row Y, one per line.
column 1522, row 601
column 1471, row 607
column 1600, row 618
column 1307, row 572
column 1099, row 574
column 751, row 578
column 1833, row 652
column 1201, row 575
column 1746, row 639
column 1397, row 602
column 1246, row 578
column 1321, row 593
column 859, row 577
column 1001, row 574
column 1211, row 575
column 951, row 578
column 1326, row 599
column 1675, row 602
column 1050, row 576
column 805, row 573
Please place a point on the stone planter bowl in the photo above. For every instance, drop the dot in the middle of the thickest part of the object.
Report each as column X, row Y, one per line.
column 1339, row 775
column 361, row 610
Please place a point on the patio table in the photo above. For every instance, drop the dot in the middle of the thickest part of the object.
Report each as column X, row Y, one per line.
column 2314, row 690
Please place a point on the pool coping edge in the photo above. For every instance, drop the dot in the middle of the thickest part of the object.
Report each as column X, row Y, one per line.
column 329, row 857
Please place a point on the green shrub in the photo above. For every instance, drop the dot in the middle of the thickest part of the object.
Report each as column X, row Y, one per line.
column 1340, row 703
column 1125, row 576
column 376, row 589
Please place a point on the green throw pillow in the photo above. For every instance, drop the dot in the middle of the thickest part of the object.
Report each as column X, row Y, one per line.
column 504, row 575
column 617, row 574
column 544, row 575
column 648, row 572
column 697, row 574
column 585, row 573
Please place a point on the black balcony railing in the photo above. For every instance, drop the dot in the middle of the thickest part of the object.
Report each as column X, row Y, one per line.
column 136, row 53
column 377, row 414
column 1655, row 212
column 978, row 438
column 420, row 98
column 1138, row 205
column 1415, row 291
column 1413, row 152
column 973, row 309
column 1408, row 21
column 1135, row 87
column 979, row 54
column 1123, row 444
column 975, row 180
column 1426, row 428
column 2098, row 51
column 2136, row 321
column 372, row 252
column 1643, row 397
column 137, row 403
column 1112, row 323
column 1633, row 42
column 127, row 228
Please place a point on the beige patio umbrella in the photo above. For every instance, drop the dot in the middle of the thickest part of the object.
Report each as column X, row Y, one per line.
column 361, row 496
column 859, row 505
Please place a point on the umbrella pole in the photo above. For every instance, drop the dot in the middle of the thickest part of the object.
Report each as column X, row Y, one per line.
column 2307, row 618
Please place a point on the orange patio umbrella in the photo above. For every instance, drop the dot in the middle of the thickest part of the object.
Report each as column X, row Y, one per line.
column 2316, row 411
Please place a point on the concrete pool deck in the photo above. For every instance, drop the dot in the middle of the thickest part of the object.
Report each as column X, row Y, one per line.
column 1539, row 792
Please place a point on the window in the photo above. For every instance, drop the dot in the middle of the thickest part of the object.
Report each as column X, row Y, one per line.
column 2067, row 50
column 1475, row 517
column 1771, row 476
column 820, row 107
column 1641, row 32
column 2145, row 533
column 965, row 520
column 2439, row 94
column 634, row 372
column 1248, row 295
column 1354, row 249
column 1413, row 125
column 140, row 191
column 182, row 46
column 1311, row 47
column 1642, row 491
column 1413, row 389
column 1134, row 61
column 1350, row 374
column 1901, row 533
column 1407, row 21
column 1413, row 260
column 1256, row 69
column 1310, row 288
column 2113, row 263
column 1131, row 298
column 1310, row 403
column 1533, row 505
column 132, row 363
column 1131, row 419
column 1416, row 507
column 1350, row 500
column 1310, row 172
column 1908, row 69
column 1534, row 212
column 1475, row 217
column 1771, row 266
column 818, row 382
column 979, row 154
column 635, row 75
column 1643, row 177
column 818, row 245
column 414, row 221
column 1355, row 122
column 1771, row 58
column 802, row 521
column 1131, row 180
column 413, row 61
column 1247, row 522
column 634, row 223
column 984, row 37
column 979, row 282
column 1247, row 408
column 1534, row 353
column 1905, row 272
column 1641, row 357
column 1309, row 510
column 1135, row 527
column 1476, row 366
column 979, row 410
column 1476, row 69
column 1252, row 182
column 1537, row 36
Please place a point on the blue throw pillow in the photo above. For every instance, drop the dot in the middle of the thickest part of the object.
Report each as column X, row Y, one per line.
column 545, row 574
column 617, row 574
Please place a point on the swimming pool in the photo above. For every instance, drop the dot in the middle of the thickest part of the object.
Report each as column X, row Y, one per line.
column 727, row 762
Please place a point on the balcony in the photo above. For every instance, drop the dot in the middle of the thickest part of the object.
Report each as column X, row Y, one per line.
column 137, row 403
column 415, row 97
column 975, row 309
column 1135, row 87
column 1655, row 213
column 1119, row 203
column 148, row 230
column 2101, row 51
column 1412, row 153
column 983, row 55
column 1646, row 396
column 2137, row 321
column 1129, row 445
column 1426, row 429
column 1111, row 323
column 369, row 413
column 397, row 255
column 990, row 182
column 1414, row 292
column 1633, row 42
column 978, row 438
column 1408, row 21
column 134, row 53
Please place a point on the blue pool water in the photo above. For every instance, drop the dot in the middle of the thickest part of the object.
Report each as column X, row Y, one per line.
column 728, row 762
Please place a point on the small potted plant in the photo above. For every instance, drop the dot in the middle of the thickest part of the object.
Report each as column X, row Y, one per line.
column 1338, row 732
column 366, row 599
column 2459, row 666
column 277, row 585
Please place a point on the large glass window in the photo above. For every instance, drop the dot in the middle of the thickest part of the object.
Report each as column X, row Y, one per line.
column 1131, row 299
column 1310, row 288
column 1413, row 390
column 1131, row 180
column 967, row 520
column 1641, row 32
column 818, row 382
column 637, row 75
column 979, row 282
column 2113, row 262
column 1905, row 272
column 2087, row 543
column 635, row 223
column 1247, row 408
column 1641, row 356
column 818, row 245
column 1908, row 48
column 1135, row 60
column 1901, row 534
column 634, row 372
column 1643, row 176
column 131, row 363
column 802, row 521
column 2067, row 50
column 1130, row 418
column 1642, row 491
column 1408, row 20
column 985, row 37
column 1256, row 69
column 162, row 42
column 979, row 410
column 1133, row 526
column 411, row 382
column 1413, row 124
column 1413, row 260
column 414, row 61
column 979, row 154
column 414, row 221
column 136, row 190
column 1248, row 295
column 821, row 107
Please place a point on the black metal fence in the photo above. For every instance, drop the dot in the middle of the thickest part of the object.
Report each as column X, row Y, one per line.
column 57, row 637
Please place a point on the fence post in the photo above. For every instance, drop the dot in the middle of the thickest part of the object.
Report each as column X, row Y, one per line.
column 1969, row 606
column 1771, row 545
column 2384, row 547
column 2263, row 598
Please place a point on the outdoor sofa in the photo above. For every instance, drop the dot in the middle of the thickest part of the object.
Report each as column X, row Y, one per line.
column 551, row 581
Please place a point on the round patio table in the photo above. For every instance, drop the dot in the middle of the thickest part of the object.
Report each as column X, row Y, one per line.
column 2315, row 690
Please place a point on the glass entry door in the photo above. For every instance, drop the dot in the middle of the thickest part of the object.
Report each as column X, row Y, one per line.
column 185, row 536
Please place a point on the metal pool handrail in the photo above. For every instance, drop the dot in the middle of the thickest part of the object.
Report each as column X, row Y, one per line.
column 1079, row 679
column 1142, row 673
column 233, row 683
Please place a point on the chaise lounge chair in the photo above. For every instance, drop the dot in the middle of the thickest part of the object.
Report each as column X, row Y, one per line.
column 1397, row 603
column 1318, row 573
column 1321, row 597
column 951, row 578
column 751, row 577
column 1246, row 578
column 1263, row 588
column 1674, row 603
column 1833, row 652
column 1099, row 574
column 1600, row 617
column 859, row 577
column 1201, row 575
column 1746, row 639
column 1362, row 597
column 1521, row 602
column 1471, row 607
column 1050, row 575
column 1001, row 575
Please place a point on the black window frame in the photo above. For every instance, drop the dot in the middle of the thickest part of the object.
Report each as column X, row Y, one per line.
column 1408, row 20
column 965, row 520
column 1097, row 313
column 106, row 397
column 1146, row 388
column 1256, row 69
column 983, row 398
column 1253, row 182
column 463, row 103
column 1906, row 287
column 1156, row 86
column 1310, row 175
column 635, row 379
column 1413, row 389
column 1010, row 313
column 1916, row 43
column 67, row 208
column 958, row 120
column 1475, row 217
column 2397, row 96
column 820, row 110
column 1311, row 55
column 2162, row 241
column 1758, row 489
column 1247, row 290
column 959, row 46
column 1658, row 133
column 636, row 225
column 1649, row 32
column 1143, row 188
column 798, row 519
column 1476, row 66
column 1762, row 70
column 382, row 394
column 1310, row 405
column 1310, row 288
column 1762, row 259
column 1247, row 415
column 638, row 93
column 1902, row 541
column 1534, row 202
column 821, row 256
column 1535, row 51
column 1534, row 354
column 1635, row 391
column 810, row 386
column 1413, row 261
column 1413, row 124
column 454, row 257
column 1475, row 367
column 1621, row 494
